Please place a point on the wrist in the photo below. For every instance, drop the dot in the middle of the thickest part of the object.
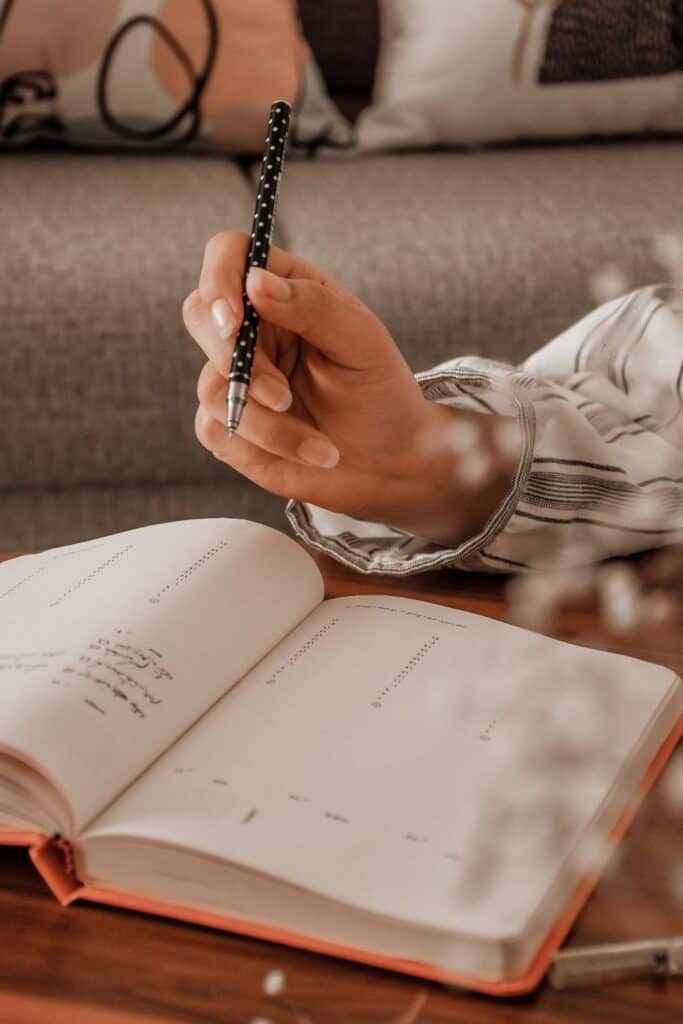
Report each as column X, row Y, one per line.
column 430, row 498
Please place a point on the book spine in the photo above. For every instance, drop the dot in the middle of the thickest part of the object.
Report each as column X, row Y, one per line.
column 53, row 859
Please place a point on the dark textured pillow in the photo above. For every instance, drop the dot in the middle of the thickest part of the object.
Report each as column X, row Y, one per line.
column 344, row 37
column 162, row 73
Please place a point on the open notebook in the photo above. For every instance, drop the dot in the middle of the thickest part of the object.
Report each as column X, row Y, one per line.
column 187, row 728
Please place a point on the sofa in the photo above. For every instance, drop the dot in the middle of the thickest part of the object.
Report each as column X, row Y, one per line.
column 488, row 251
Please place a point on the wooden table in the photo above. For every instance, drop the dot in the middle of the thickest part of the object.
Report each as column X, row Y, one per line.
column 94, row 964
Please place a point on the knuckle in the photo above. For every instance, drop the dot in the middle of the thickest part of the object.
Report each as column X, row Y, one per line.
column 304, row 307
column 223, row 254
column 274, row 440
column 262, row 432
column 222, row 242
column 201, row 426
column 201, row 389
column 206, row 384
column 264, row 366
column 191, row 307
column 282, row 440
column 216, row 244
column 314, row 304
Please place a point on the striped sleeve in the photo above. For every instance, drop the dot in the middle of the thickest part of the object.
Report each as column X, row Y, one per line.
column 600, row 472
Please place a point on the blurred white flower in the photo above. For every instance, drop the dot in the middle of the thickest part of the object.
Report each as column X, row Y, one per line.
column 657, row 608
column 592, row 854
column 608, row 283
column 534, row 599
column 533, row 795
column 528, row 604
column 667, row 249
column 261, row 1020
column 462, row 436
column 619, row 596
column 581, row 711
column 475, row 469
column 507, row 439
column 672, row 784
column 274, row 983
column 648, row 509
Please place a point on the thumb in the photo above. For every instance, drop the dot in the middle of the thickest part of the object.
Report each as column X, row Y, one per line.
column 333, row 321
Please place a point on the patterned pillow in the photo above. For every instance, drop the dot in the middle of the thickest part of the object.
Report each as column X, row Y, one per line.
column 469, row 71
column 146, row 73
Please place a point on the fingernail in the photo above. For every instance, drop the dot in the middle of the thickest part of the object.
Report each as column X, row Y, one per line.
column 271, row 285
column 271, row 392
column 223, row 318
column 316, row 452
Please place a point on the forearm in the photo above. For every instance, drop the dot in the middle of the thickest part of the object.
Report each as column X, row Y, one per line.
column 444, row 490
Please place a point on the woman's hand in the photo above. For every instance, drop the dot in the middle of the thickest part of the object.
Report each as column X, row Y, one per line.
column 334, row 416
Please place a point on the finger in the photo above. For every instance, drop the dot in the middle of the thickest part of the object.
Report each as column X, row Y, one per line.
column 331, row 320
column 269, row 385
column 287, row 264
column 288, row 479
column 221, row 281
column 285, row 436
column 246, row 458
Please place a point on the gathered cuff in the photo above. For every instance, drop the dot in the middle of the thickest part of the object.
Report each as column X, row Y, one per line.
column 371, row 547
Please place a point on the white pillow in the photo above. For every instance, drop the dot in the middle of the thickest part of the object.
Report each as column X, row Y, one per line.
column 471, row 71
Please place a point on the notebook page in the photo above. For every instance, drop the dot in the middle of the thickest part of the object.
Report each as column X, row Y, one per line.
column 110, row 649
column 413, row 760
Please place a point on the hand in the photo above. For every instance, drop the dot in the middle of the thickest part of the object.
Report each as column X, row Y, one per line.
column 334, row 416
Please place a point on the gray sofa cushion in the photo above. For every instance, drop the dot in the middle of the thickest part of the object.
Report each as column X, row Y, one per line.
column 98, row 372
column 42, row 517
column 487, row 252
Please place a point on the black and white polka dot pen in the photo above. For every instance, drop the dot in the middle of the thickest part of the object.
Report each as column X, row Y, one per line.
column 261, row 231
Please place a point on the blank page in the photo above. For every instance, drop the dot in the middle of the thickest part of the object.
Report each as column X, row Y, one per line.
column 419, row 762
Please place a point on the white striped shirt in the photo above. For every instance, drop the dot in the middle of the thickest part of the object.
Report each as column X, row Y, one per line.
column 600, row 474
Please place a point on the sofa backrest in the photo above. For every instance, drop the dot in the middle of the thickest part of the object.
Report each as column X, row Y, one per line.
column 344, row 36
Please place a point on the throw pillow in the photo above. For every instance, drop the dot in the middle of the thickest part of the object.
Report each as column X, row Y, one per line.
column 468, row 71
column 160, row 73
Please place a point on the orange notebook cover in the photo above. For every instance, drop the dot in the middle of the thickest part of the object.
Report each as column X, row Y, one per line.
column 54, row 861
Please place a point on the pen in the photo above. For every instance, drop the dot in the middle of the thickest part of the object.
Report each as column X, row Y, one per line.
column 259, row 247
column 590, row 965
